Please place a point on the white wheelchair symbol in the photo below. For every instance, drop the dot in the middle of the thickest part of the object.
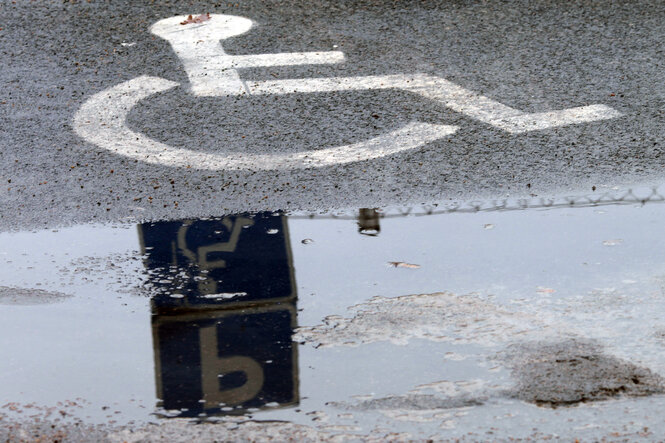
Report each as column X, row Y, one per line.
column 102, row 119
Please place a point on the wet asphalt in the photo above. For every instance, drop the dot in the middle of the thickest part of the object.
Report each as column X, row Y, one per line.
column 534, row 56
column 595, row 339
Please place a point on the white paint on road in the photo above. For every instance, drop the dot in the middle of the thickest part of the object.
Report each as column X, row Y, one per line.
column 447, row 93
column 545, row 120
column 212, row 72
column 102, row 121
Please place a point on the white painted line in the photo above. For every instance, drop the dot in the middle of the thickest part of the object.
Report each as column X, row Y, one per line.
column 210, row 70
column 330, row 84
column 545, row 120
column 447, row 93
column 438, row 89
column 462, row 100
column 284, row 59
column 197, row 45
column 102, row 121
column 504, row 117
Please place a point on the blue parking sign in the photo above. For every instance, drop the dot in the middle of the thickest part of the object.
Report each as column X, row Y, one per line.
column 223, row 362
column 221, row 262
column 224, row 310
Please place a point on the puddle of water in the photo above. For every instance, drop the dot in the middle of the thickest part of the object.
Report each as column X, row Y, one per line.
column 343, row 325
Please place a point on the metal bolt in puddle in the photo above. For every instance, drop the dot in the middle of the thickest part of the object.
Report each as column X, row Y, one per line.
column 234, row 317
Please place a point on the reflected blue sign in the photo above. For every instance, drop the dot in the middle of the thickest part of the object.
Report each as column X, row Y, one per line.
column 225, row 362
column 215, row 263
column 224, row 312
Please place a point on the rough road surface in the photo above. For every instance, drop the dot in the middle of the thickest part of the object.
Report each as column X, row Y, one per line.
column 164, row 283
column 535, row 57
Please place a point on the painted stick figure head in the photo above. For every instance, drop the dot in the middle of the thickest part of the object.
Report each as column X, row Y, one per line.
column 204, row 27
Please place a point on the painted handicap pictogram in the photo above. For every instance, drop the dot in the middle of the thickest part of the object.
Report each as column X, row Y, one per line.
column 101, row 120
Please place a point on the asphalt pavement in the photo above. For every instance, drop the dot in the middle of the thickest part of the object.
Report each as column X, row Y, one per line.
column 535, row 57
column 353, row 220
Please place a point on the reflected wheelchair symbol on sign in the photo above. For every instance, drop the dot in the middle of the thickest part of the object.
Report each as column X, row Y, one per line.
column 102, row 119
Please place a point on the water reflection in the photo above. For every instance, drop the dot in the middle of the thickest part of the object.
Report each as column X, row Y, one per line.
column 218, row 263
column 368, row 222
column 609, row 266
column 224, row 311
